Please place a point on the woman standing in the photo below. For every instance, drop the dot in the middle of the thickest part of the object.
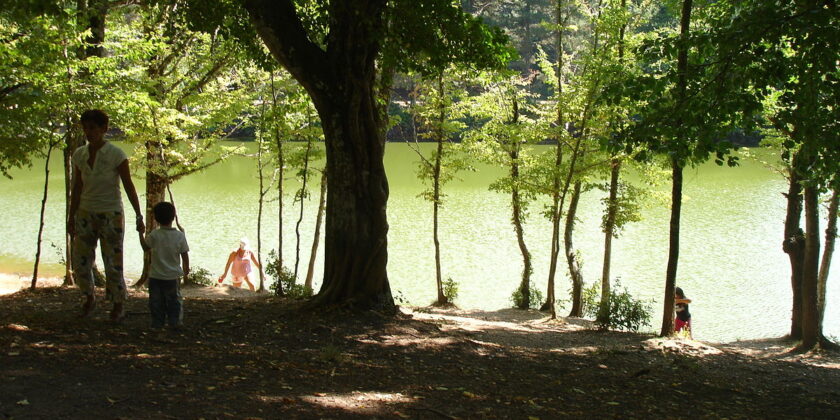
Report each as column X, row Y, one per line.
column 96, row 212
column 239, row 263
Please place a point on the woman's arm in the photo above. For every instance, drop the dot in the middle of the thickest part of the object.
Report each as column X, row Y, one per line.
column 143, row 243
column 254, row 259
column 131, row 192
column 227, row 266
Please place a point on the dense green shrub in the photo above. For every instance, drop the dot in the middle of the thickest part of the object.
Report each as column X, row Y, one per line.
column 199, row 276
column 285, row 282
column 625, row 312
column 450, row 289
column 536, row 297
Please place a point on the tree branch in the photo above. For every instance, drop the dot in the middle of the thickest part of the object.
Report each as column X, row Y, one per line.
column 282, row 31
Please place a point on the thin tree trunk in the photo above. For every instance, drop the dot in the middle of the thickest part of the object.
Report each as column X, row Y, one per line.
column 41, row 218
column 794, row 245
column 317, row 237
column 301, row 197
column 516, row 204
column 603, row 317
column 677, row 181
column 280, row 163
column 673, row 249
column 91, row 17
column 155, row 193
column 516, row 218
column 571, row 258
column 71, row 143
column 609, row 226
column 828, row 252
column 441, row 297
column 550, row 301
column 811, row 332
column 261, row 199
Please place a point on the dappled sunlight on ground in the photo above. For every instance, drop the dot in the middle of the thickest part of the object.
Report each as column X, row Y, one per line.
column 781, row 349
column 358, row 402
column 9, row 283
column 250, row 355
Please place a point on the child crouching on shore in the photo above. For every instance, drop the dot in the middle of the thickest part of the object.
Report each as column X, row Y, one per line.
column 169, row 250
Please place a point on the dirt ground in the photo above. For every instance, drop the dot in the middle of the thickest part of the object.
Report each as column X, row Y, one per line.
column 244, row 355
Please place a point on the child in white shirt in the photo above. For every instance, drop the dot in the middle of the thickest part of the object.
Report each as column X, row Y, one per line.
column 169, row 250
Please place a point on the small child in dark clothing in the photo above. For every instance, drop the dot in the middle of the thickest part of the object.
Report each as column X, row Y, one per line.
column 169, row 250
column 683, row 320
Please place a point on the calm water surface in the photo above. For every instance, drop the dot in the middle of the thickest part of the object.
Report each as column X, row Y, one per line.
column 731, row 262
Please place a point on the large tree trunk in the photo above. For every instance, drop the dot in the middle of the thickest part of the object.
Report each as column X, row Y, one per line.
column 41, row 218
column 356, row 241
column 341, row 82
column 609, row 231
column 811, row 332
column 322, row 200
column 794, row 245
column 571, row 258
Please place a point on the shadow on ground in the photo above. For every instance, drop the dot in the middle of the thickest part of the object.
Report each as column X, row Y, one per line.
column 263, row 358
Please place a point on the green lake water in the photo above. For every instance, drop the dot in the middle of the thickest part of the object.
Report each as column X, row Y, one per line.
column 731, row 262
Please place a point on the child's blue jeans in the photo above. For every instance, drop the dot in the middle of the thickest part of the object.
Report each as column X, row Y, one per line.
column 165, row 302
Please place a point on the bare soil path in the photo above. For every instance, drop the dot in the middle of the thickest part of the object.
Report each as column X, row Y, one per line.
column 245, row 355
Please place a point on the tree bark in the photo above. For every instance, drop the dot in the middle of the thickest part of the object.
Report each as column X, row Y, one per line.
column 673, row 249
column 603, row 317
column 550, row 300
column 322, row 200
column 41, row 218
column 441, row 297
column 811, row 332
column 794, row 244
column 677, row 181
column 571, row 258
column 828, row 252
column 91, row 17
column 281, row 161
column 301, row 197
column 261, row 199
column 341, row 82
column 516, row 205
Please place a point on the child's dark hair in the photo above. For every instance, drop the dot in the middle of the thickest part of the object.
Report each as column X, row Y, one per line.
column 679, row 293
column 96, row 116
column 164, row 212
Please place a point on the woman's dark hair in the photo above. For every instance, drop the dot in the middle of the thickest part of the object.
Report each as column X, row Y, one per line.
column 96, row 116
column 164, row 212
column 679, row 292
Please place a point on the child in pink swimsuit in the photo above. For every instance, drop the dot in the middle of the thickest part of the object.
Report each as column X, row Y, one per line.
column 239, row 263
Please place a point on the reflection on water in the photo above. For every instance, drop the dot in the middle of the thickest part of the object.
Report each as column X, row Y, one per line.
column 731, row 262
